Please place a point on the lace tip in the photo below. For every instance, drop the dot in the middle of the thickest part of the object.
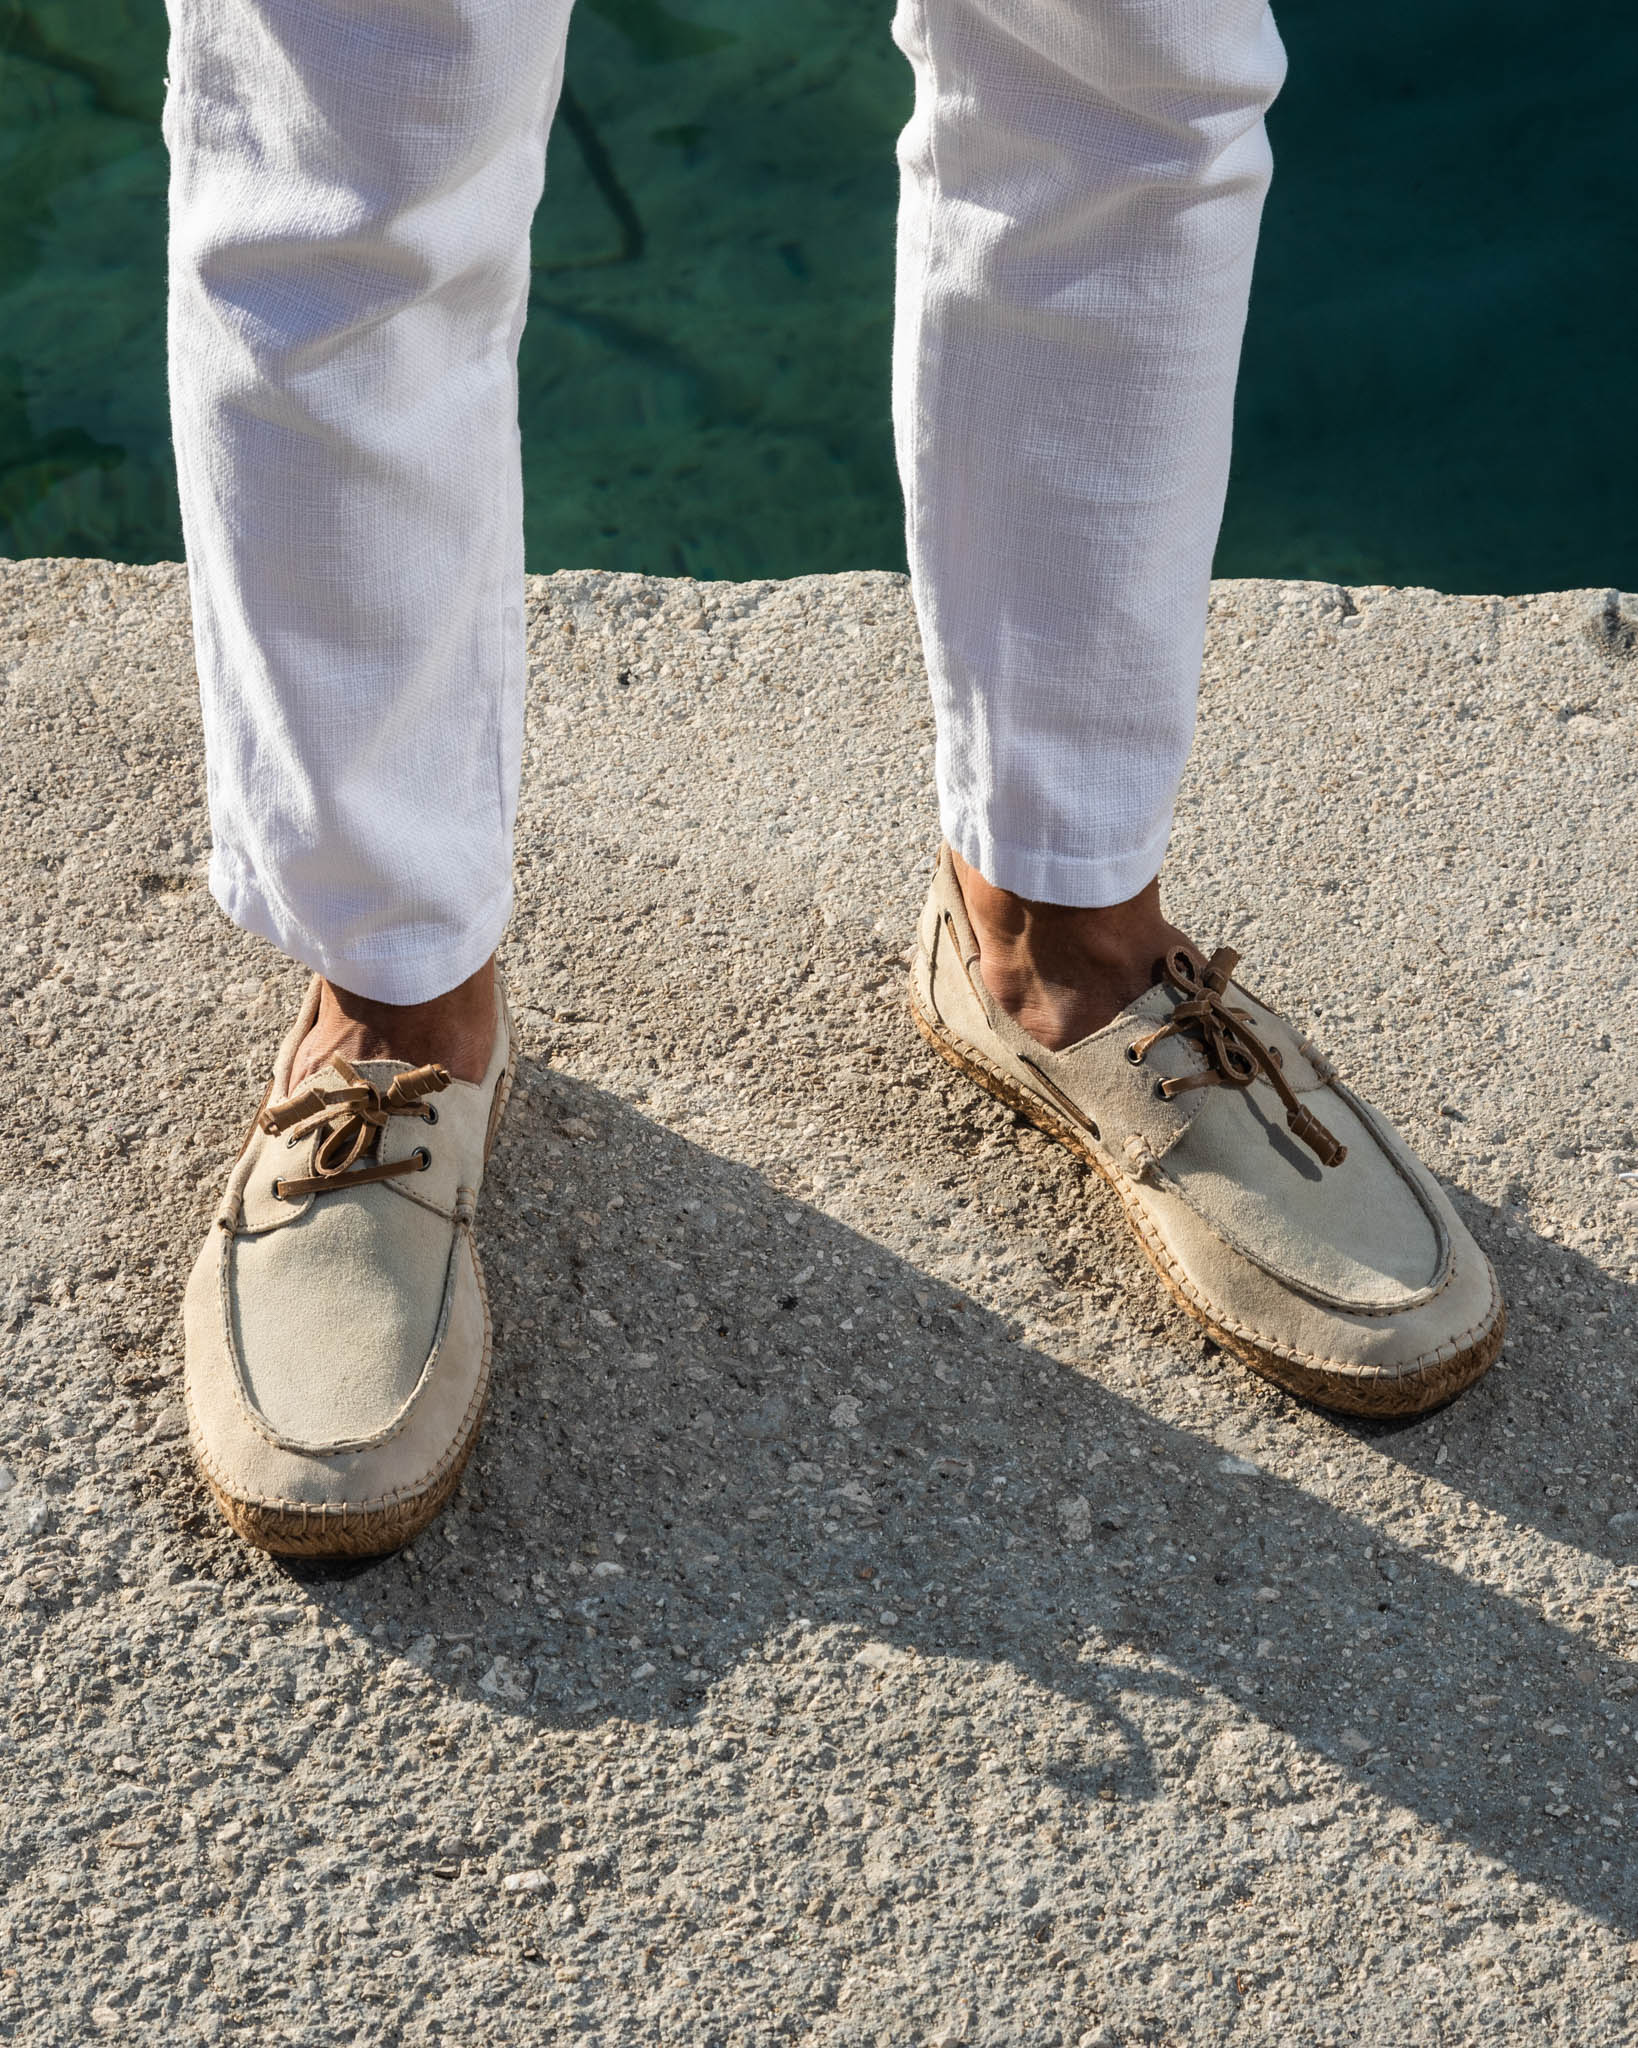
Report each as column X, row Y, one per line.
column 1316, row 1137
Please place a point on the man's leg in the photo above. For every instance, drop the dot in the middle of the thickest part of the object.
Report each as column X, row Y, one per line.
column 351, row 198
column 352, row 191
column 1082, row 185
column 1083, row 181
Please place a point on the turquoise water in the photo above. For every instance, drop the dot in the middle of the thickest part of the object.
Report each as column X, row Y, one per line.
column 1437, row 375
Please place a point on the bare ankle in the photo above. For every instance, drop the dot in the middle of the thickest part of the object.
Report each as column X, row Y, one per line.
column 1062, row 971
column 455, row 1030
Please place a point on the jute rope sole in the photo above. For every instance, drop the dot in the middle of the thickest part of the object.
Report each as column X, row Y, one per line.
column 296, row 1530
column 1332, row 1386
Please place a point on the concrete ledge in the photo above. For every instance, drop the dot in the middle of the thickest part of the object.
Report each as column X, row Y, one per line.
column 872, row 1616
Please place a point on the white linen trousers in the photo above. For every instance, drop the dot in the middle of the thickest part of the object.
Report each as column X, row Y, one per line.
column 351, row 192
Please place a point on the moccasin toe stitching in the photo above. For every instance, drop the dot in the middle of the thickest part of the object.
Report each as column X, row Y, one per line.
column 337, row 1317
column 1364, row 1237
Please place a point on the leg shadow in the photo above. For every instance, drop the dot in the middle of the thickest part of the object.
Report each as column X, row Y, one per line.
column 721, row 1417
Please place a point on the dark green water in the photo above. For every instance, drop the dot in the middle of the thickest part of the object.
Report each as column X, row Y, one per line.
column 1437, row 385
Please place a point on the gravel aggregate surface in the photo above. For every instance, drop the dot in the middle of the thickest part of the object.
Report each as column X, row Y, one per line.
column 873, row 1616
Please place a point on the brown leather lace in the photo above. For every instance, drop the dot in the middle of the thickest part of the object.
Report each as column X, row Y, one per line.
column 1235, row 1053
column 350, row 1114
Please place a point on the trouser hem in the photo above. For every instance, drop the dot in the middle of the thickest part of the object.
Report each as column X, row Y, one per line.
column 415, row 975
column 1043, row 877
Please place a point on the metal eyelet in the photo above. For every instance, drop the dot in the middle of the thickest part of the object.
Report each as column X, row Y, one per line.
column 1134, row 1057
column 424, row 1156
column 1160, row 1092
column 432, row 1113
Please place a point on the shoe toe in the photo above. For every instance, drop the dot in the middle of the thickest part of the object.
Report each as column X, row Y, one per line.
column 338, row 1497
column 335, row 1317
column 1365, row 1236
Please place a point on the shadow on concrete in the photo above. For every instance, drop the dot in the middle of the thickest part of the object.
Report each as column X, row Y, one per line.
column 1541, row 1443
column 719, row 1416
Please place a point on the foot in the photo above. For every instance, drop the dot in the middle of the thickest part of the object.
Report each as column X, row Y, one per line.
column 337, row 1339
column 455, row 1030
column 1062, row 973
column 1280, row 1210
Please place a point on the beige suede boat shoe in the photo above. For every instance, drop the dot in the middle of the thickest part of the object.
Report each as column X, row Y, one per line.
column 336, row 1323
column 1280, row 1210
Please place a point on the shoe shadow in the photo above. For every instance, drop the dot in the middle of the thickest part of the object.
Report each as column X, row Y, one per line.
column 721, row 1418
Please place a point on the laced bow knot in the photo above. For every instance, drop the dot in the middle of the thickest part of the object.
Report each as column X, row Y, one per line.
column 349, row 1115
column 1236, row 1055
